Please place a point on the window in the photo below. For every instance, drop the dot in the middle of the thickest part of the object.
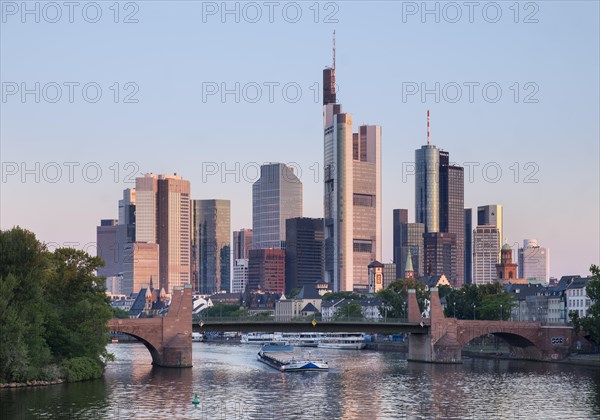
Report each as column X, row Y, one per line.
column 364, row 200
column 361, row 245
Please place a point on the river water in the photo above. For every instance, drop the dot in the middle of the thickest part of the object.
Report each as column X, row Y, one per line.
column 232, row 384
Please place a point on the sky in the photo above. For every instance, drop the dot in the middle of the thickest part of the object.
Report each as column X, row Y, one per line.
column 97, row 94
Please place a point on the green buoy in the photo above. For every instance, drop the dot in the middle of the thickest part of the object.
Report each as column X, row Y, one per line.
column 196, row 401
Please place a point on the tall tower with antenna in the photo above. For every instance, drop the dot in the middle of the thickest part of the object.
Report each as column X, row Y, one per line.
column 329, row 80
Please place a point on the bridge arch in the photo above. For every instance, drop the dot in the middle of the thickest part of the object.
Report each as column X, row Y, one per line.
column 521, row 346
column 154, row 352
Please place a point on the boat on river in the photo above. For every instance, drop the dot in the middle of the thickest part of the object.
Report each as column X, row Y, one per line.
column 343, row 340
column 282, row 357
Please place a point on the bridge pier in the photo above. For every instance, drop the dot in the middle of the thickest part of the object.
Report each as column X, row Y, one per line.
column 169, row 338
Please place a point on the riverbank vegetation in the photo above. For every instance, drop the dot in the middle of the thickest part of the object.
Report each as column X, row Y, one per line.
column 53, row 312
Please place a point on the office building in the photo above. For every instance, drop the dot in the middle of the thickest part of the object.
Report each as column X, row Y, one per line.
column 140, row 267
column 211, row 246
column 107, row 248
column 408, row 237
column 242, row 243
column 266, row 270
column 485, row 254
column 492, row 215
column 303, row 252
column 352, row 196
column 276, row 197
column 427, row 191
column 240, row 275
column 163, row 217
column 468, row 246
column 440, row 254
column 534, row 261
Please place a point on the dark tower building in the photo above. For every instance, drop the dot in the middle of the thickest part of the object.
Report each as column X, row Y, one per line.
column 440, row 254
column 468, row 246
column 303, row 252
column 400, row 217
column 266, row 270
column 408, row 238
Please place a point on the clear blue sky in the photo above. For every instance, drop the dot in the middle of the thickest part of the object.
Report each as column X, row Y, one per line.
column 171, row 52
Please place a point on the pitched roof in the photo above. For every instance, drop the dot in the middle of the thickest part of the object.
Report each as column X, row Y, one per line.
column 375, row 263
column 308, row 291
column 309, row 308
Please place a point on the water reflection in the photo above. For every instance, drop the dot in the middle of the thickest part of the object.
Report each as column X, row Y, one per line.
column 231, row 383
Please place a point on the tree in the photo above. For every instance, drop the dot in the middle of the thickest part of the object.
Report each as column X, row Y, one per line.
column 486, row 301
column 395, row 297
column 53, row 311
column 341, row 295
column 591, row 323
column 351, row 310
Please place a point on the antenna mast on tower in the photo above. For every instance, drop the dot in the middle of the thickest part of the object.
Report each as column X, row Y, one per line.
column 334, row 49
column 427, row 127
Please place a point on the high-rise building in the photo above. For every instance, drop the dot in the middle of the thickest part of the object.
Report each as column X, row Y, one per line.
column 534, row 261
column 491, row 215
column 352, row 198
column 276, row 197
column 240, row 275
column 427, row 187
column 140, row 267
column 440, row 254
column 485, row 254
column 163, row 217
column 107, row 248
column 303, row 252
column 468, row 246
column 439, row 203
column 211, row 247
column 126, row 227
column 266, row 270
column 408, row 237
column 242, row 243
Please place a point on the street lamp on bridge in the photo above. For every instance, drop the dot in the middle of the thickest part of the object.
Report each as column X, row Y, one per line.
column 473, row 312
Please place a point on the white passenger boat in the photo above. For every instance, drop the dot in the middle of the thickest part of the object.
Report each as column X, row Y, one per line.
column 302, row 339
column 342, row 340
column 281, row 356
column 260, row 338
column 197, row 337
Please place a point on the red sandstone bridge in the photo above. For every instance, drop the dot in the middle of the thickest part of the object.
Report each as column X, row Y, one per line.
column 436, row 339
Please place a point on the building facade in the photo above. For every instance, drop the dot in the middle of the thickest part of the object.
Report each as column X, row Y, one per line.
column 107, row 248
column 485, row 254
column 408, row 237
column 163, row 217
column 506, row 270
column 266, row 270
column 242, row 243
column 492, row 215
column 303, row 252
column 427, row 191
column 468, row 246
column 211, row 246
column 140, row 267
column 276, row 197
column 534, row 261
column 441, row 255
column 352, row 194
column 240, row 275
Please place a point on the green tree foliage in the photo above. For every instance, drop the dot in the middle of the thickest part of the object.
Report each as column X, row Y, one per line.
column 486, row 301
column 341, row 295
column 395, row 297
column 52, row 309
column 352, row 310
column 591, row 323
column 220, row 310
column 120, row 313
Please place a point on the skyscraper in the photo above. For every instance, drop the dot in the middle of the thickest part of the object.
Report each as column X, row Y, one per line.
column 485, row 254
column 491, row 215
column 439, row 205
column 276, row 197
column 211, row 247
column 303, row 252
column 163, row 217
column 352, row 198
column 440, row 254
column 107, row 247
column 534, row 261
column 140, row 267
column 408, row 237
column 240, row 275
column 468, row 246
column 242, row 243
column 266, row 270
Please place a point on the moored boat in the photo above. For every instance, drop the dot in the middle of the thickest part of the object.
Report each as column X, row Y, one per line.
column 349, row 341
column 197, row 337
column 281, row 356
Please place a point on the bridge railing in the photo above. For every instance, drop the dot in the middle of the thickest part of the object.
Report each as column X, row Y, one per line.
column 271, row 319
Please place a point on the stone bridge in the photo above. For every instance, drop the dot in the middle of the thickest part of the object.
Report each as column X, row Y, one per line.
column 168, row 338
column 444, row 341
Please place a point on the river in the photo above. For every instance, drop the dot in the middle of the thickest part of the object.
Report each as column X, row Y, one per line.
column 232, row 384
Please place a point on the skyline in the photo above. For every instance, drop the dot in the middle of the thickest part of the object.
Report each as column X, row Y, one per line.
column 558, row 134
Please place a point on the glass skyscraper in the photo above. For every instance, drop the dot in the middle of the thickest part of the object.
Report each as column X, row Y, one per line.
column 276, row 197
column 211, row 246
